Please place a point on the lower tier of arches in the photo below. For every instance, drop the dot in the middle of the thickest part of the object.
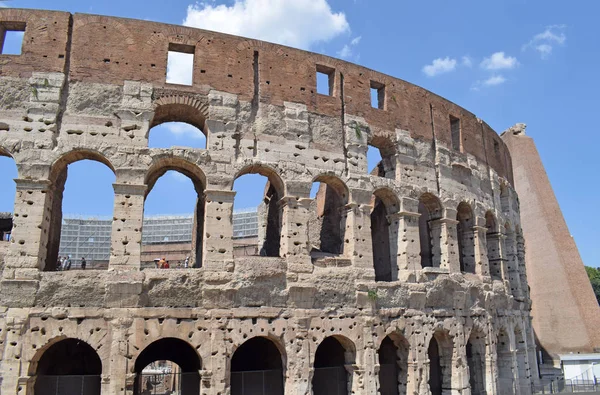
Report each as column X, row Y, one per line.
column 264, row 351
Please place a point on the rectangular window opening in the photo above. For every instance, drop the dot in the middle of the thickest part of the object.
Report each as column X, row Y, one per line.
column 180, row 64
column 377, row 95
column 325, row 80
column 11, row 38
column 455, row 130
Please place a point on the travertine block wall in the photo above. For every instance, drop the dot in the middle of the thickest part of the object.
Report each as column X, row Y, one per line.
column 96, row 85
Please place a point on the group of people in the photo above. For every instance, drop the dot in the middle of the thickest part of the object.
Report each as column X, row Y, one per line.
column 162, row 263
column 64, row 263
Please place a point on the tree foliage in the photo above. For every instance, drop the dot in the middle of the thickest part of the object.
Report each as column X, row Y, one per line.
column 594, row 276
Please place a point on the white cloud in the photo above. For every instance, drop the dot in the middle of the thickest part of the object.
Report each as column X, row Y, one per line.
column 345, row 52
column 179, row 68
column 180, row 129
column 544, row 42
column 494, row 80
column 440, row 66
column 298, row 23
column 467, row 61
column 499, row 61
column 356, row 40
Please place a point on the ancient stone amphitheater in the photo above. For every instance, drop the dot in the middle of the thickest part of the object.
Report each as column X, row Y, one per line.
column 410, row 279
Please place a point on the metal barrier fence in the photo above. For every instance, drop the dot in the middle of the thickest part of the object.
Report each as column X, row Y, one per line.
column 67, row 385
column 330, row 381
column 258, row 382
column 585, row 382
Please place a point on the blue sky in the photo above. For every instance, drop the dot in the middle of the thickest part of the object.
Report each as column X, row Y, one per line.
column 506, row 61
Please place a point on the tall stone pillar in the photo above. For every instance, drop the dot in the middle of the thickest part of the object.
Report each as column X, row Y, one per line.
column 294, row 233
column 11, row 373
column 28, row 243
column 482, row 265
column 444, row 241
column 368, row 360
column 218, row 229
column 512, row 265
column 408, row 249
column 117, row 374
column 126, row 233
column 357, row 239
column 298, row 367
column 494, row 254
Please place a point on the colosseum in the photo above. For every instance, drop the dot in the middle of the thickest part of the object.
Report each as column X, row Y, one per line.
column 406, row 280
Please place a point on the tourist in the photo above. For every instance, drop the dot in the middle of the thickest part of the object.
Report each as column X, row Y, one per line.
column 186, row 263
column 68, row 263
column 59, row 264
column 161, row 263
column 83, row 263
column 166, row 265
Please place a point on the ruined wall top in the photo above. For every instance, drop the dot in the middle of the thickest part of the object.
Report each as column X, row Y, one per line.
column 109, row 50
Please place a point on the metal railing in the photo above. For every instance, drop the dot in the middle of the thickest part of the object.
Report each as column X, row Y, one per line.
column 67, row 385
column 258, row 382
column 585, row 382
column 330, row 381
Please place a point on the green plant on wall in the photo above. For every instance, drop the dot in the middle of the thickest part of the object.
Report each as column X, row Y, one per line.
column 372, row 294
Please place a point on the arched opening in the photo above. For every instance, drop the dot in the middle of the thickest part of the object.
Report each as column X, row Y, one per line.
column 505, row 364
column 492, row 239
column 384, row 235
column 430, row 209
column 393, row 365
column 257, row 368
column 7, row 198
column 172, row 233
column 327, row 222
column 176, row 124
column 167, row 366
column 257, row 213
column 465, row 237
column 82, row 202
column 330, row 374
column 381, row 158
column 70, row 366
column 476, row 362
column 440, row 363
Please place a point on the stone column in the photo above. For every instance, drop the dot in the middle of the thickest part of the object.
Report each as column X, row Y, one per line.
column 444, row 244
column 294, row 233
column 368, row 360
column 218, row 229
column 298, row 367
column 405, row 225
column 512, row 265
column 357, row 239
column 12, row 371
column 126, row 233
column 494, row 255
column 116, row 374
column 491, row 368
column 460, row 368
column 26, row 254
column 482, row 265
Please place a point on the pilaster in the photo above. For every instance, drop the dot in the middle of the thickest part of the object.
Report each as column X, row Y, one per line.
column 126, row 232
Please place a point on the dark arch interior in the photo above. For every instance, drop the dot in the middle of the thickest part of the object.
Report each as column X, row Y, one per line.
column 169, row 349
column 70, row 365
column 176, row 351
column 425, row 236
column 380, row 239
column 257, row 368
column 329, row 202
column 258, row 353
column 435, row 368
column 330, row 376
column 389, row 369
column 476, row 361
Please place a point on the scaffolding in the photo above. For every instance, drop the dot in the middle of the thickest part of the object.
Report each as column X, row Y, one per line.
column 90, row 237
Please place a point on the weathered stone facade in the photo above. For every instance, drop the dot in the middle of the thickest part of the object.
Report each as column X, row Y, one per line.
column 451, row 298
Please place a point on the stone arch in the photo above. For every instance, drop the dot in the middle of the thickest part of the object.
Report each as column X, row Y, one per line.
column 174, row 350
column 384, row 233
column 171, row 163
column 387, row 150
column 180, row 108
column 327, row 223
column 476, row 361
column 440, row 352
column 493, row 238
column 393, row 356
column 332, row 356
column 58, row 178
column 270, row 211
column 260, row 362
column 430, row 209
column 465, row 237
column 68, row 362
